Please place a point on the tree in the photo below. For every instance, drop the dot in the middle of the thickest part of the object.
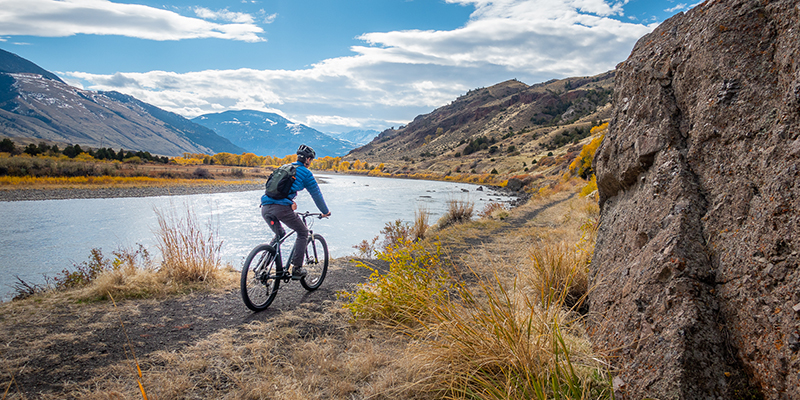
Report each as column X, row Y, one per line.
column 32, row 150
column 7, row 146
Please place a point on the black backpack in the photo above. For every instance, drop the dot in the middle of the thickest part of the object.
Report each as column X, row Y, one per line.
column 279, row 184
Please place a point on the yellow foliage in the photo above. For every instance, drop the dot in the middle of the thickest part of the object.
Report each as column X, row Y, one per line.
column 583, row 165
column 590, row 187
column 84, row 157
column 600, row 128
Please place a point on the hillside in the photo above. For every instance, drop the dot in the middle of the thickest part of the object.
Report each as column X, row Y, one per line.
column 508, row 128
column 269, row 134
column 37, row 106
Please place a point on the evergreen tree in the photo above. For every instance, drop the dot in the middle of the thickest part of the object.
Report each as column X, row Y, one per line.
column 7, row 146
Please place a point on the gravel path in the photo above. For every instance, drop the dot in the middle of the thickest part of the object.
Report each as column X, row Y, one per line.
column 107, row 192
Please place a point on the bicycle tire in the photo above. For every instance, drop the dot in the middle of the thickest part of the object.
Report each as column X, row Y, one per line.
column 316, row 263
column 258, row 283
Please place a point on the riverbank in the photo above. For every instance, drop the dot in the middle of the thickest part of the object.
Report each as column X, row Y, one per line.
column 208, row 345
column 105, row 192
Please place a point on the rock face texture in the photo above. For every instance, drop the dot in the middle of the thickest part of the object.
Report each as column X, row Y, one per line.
column 697, row 284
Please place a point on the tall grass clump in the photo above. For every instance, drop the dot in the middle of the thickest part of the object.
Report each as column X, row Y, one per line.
column 506, row 346
column 494, row 211
column 559, row 274
column 458, row 211
column 191, row 252
column 420, row 225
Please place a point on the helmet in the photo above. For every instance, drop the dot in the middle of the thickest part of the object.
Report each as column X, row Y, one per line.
column 306, row 152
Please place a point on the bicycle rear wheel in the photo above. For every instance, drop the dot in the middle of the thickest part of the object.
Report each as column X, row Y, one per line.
column 316, row 263
column 259, row 285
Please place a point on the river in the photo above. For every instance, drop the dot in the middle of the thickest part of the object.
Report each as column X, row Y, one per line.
column 41, row 238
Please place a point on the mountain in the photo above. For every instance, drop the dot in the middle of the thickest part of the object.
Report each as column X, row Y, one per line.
column 359, row 137
column 12, row 63
column 35, row 104
column 268, row 134
column 504, row 128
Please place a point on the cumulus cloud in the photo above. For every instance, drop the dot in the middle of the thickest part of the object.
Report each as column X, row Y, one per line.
column 54, row 18
column 397, row 75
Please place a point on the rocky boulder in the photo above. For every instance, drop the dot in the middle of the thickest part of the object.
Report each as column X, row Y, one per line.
column 696, row 280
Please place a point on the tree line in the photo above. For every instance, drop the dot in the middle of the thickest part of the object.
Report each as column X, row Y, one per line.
column 72, row 151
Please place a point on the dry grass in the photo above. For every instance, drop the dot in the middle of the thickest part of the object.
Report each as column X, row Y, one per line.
column 458, row 211
column 191, row 253
column 420, row 225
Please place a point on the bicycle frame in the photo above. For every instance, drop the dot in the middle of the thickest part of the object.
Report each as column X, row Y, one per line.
column 280, row 271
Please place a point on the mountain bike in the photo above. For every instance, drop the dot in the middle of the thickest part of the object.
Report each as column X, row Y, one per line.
column 264, row 269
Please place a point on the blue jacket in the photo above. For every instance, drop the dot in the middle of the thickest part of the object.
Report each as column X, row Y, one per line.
column 304, row 179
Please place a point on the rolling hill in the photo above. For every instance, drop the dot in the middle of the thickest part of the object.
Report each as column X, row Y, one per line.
column 507, row 129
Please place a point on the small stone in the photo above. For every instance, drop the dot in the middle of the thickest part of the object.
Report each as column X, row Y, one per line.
column 796, row 307
column 619, row 384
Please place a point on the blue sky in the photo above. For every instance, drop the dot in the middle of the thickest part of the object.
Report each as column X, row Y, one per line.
column 332, row 65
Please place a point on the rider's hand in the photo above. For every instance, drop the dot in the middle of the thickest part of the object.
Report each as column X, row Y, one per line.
column 294, row 206
column 326, row 215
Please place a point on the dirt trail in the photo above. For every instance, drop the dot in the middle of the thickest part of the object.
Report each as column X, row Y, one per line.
column 48, row 345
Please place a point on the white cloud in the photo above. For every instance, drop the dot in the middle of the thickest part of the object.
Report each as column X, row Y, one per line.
column 52, row 18
column 397, row 75
column 269, row 18
column 678, row 7
column 224, row 15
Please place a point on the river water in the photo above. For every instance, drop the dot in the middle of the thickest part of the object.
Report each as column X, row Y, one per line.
column 40, row 238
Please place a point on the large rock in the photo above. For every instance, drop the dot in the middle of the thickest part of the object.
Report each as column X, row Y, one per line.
column 697, row 290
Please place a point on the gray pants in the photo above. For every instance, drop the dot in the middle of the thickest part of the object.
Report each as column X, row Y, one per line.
column 274, row 214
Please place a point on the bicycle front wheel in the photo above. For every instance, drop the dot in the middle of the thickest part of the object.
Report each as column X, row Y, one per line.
column 259, row 285
column 316, row 263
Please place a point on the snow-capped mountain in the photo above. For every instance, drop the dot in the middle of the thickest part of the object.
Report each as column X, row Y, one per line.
column 359, row 137
column 269, row 134
column 35, row 104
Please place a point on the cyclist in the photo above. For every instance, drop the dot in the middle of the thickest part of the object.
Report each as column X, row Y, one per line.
column 276, row 211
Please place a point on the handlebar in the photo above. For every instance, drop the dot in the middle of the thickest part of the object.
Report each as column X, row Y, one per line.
column 310, row 214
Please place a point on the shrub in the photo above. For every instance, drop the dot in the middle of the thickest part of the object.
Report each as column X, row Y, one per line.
column 202, row 173
column 403, row 296
column 494, row 210
column 83, row 273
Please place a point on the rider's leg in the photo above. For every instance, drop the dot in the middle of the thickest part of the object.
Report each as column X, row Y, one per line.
column 267, row 212
column 286, row 215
